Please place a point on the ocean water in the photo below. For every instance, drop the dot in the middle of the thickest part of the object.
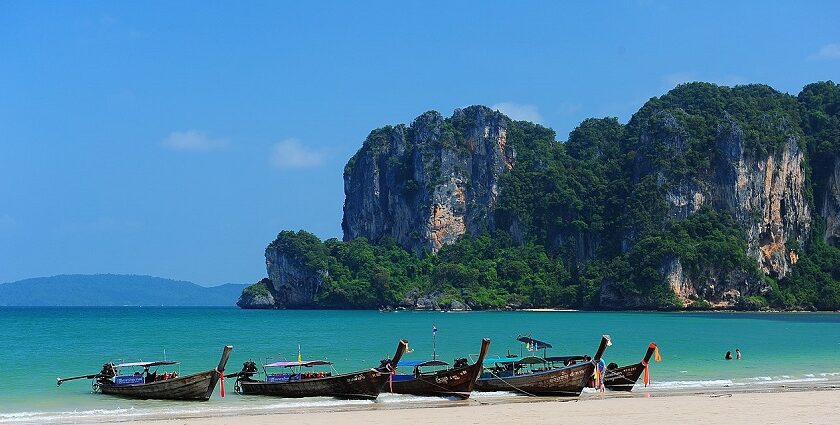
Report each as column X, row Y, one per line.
column 37, row 345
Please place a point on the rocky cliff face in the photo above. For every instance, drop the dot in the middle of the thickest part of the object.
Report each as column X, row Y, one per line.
column 258, row 296
column 716, row 175
column 427, row 184
column 765, row 193
column 293, row 283
column 830, row 209
column 296, row 272
column 722, row 288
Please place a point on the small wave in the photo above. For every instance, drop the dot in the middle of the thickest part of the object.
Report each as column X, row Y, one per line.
column 492, row 394
column 691, row 384
column 743, row 382
column 15, row 417
column 795, row 380
column 389, row 398
column 175, row 411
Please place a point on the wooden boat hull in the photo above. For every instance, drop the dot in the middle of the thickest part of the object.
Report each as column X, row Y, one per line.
column 446, row 383
column 623, row 378
column 564, row 382
column 198, row 386
column 363, row 385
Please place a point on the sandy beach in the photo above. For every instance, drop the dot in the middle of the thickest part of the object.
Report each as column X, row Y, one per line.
column 813, row 406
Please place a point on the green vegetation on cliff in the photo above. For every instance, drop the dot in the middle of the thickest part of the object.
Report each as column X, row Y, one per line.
column 489, row 271
column 815, row 280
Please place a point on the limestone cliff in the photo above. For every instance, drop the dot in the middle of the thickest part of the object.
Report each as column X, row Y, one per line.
column 293, row 283
column 764, row 191
column 258, row 296
column 703, row 198
column 830, row 208
column 427, row 184
column 296, row 272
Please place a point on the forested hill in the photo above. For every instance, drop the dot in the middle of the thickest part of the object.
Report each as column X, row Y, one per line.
column 709, row 196
column 114, row 290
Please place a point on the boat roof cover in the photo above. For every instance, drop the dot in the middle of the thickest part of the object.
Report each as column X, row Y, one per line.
column 539, row 345
column 421, row 363
column 304, row 363
column 520, row 360
column 148, row 364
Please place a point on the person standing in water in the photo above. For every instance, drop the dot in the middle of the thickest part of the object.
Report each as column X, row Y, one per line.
column 738, row 353
column 728, row 355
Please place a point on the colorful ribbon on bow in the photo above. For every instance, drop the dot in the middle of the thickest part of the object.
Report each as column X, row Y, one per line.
column 221, row 383
column 391, row 372
column 599, row 375
column 656, row 356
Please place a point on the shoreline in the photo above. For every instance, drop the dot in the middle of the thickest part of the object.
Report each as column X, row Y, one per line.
column 723, row 405
column 412, row 310
column 787, row 405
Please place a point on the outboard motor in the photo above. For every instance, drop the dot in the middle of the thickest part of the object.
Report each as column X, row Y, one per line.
column 248, row 368
column 108, row 370
column 459, row 363
column 384, row 365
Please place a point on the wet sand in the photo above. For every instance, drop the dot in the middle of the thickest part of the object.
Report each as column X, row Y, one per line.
column 811, row 406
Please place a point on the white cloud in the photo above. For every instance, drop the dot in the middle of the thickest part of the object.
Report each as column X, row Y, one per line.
column 569, row 108
column 829, row 51
column 519, row 112
column 192, row 140
column 290, row 153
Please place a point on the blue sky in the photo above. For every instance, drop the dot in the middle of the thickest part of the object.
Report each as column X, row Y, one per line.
column 178, row 138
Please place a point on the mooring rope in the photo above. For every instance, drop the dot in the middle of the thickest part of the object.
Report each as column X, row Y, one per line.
column 512, row 386
column 445, row 389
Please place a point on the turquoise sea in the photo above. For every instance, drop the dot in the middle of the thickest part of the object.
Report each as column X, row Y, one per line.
column 39, row 344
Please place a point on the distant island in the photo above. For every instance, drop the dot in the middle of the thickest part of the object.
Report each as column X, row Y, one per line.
column 709, row 197
column 114, row 290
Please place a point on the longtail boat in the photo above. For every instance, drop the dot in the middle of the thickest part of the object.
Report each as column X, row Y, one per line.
column 540, row 376
column 457, row 381
column 364, row 384
column 152, row 385
column 625, row 377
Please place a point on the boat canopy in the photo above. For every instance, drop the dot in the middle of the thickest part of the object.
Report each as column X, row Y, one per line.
column 537, row 344
column 518, row 360
column 148, row 364
column 304, row 363
column 421, row 363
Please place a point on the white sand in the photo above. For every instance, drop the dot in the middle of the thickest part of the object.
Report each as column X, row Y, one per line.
column 789, row 407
